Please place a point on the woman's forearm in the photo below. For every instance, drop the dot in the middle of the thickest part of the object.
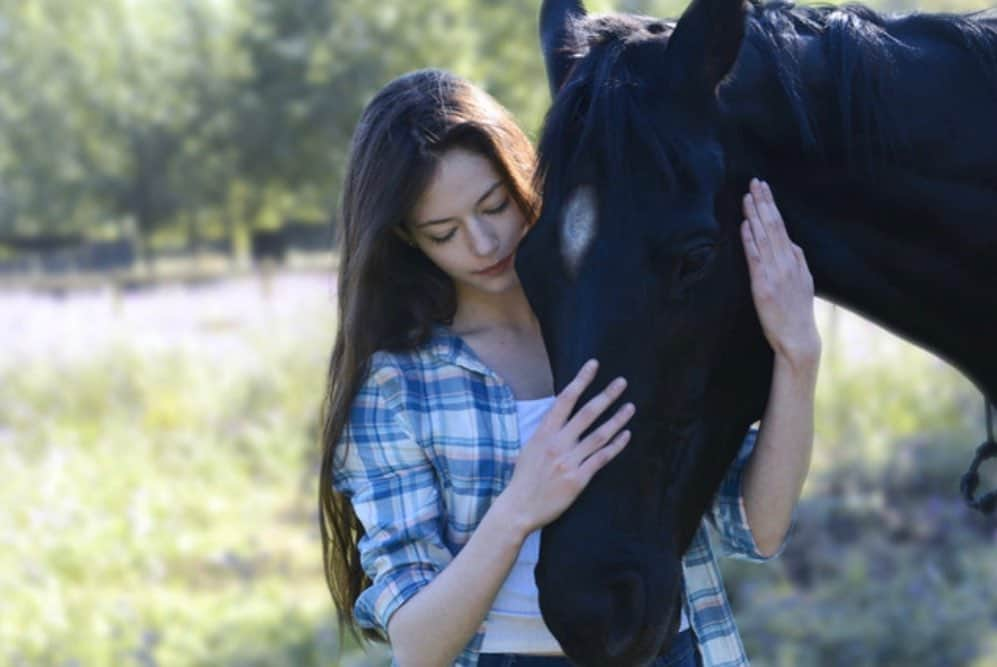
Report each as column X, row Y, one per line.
column 434, row 626
column 778, row 466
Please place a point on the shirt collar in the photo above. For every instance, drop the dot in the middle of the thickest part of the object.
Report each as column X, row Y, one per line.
column 448, row 346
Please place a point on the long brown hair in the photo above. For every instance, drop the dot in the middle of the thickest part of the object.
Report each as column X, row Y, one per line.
column 390, row 293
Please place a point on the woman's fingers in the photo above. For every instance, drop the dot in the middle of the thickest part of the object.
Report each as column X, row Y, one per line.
column 772, row 246
column 565, row 401
column 595, row 440
column 751, row 248
column 772, row 219
column 768, row 214
column 602, row 456
column 591, row 411
column 758, row 230
column 600, row 446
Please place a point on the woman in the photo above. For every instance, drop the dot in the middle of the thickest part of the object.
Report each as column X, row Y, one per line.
column 445, row 451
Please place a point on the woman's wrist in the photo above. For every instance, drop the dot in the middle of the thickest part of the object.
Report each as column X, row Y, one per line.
column 510, row 516
column 802, row 355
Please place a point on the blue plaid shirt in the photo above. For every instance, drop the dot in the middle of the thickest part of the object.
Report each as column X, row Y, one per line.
column 432, row 440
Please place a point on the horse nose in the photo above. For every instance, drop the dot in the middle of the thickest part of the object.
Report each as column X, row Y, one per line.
column 626, row 613
column 618, row 619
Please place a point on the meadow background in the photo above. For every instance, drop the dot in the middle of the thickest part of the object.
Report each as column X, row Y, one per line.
column 158, row 425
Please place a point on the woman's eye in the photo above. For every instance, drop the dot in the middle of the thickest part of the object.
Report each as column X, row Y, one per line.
column 445, row 238
column 499, row 208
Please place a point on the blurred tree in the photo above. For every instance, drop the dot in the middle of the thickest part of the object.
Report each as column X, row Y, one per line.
column 194, row 118
column 109, row 114
column 43, row 176
column 221, row 113
column 313, row 65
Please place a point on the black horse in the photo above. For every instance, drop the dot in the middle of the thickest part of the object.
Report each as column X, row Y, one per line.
column 879, row 137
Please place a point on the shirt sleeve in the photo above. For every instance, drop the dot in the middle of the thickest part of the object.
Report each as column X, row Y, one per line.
column 728, row 516
column 395, row 493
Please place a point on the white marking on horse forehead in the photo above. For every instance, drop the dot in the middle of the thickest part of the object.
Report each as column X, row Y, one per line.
column 578, row 227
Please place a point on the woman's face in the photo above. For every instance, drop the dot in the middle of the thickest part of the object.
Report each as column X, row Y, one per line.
column 468, row 224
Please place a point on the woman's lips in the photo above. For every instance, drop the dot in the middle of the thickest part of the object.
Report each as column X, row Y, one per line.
column 498, row 268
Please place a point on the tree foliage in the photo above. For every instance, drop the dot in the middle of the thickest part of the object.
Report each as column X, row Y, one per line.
column 193, row 118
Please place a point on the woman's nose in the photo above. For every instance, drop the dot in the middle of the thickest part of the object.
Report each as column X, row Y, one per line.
column 484, row 238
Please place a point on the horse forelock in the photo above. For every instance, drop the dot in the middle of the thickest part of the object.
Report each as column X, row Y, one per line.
column 604, row 126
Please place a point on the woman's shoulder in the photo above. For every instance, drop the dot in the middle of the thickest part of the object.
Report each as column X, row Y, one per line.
column 413, row 367
column 440, row 348
column 402, row 388
column 407, row 360
column 393, row 372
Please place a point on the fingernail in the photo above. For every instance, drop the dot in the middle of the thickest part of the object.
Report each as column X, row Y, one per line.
column 619, row 383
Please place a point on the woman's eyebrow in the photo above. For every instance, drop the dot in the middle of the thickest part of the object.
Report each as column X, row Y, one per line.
column 482, row 198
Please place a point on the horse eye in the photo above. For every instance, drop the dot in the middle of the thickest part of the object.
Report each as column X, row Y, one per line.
column 694, row 264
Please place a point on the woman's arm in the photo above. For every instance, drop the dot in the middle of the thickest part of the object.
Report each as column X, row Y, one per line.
column 435, row 624
column 783, row 291
column 774, row 476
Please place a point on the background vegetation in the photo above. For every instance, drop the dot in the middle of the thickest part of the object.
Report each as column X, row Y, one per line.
column 157, row 446
column 159, row 464
column 185, row 120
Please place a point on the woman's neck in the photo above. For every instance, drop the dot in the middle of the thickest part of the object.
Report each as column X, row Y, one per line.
column 479, row 311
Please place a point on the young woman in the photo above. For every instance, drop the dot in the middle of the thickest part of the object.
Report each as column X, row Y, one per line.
column 445, row 451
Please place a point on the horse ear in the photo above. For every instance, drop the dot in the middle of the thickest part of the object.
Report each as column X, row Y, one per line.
column 555, row 22
column 705, row 43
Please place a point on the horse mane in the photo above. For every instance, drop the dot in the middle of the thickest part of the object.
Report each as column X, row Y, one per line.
column 860, row 47
column 604, row 95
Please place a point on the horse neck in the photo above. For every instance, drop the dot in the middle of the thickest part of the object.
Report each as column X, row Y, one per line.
column 910, row 244
column 887, row 249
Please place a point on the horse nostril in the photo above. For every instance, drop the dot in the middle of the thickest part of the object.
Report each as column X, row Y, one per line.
column 626, row 613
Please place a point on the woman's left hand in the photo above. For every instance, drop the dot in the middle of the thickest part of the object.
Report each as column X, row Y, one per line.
column 781, row 284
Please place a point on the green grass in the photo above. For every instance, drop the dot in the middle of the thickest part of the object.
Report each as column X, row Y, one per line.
column 159, row 505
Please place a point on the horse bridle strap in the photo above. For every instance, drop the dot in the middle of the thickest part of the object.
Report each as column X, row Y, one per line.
column 988, row 450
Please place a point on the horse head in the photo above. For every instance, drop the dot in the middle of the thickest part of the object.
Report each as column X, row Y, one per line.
column 636, row 260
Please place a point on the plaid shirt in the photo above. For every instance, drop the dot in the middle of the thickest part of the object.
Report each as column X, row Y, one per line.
column 432, row 440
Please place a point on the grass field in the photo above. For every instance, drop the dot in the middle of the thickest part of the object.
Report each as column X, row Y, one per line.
column 158, row 457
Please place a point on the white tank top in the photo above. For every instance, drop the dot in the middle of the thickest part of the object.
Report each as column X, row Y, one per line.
column 514, row 623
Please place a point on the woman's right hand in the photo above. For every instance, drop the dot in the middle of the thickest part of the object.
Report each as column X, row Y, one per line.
column 554, row 465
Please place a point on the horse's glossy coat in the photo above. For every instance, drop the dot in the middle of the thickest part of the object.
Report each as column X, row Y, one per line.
column 879, row 137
